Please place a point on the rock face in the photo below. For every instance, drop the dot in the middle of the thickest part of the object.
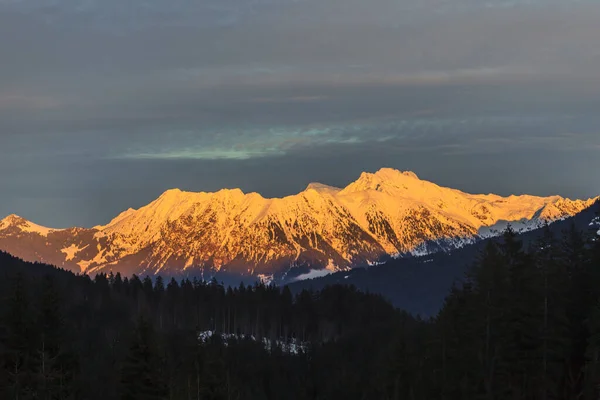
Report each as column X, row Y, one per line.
column 382, row 214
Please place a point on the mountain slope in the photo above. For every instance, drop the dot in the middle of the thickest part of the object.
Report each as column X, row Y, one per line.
column 382, row 214
column 419, row 285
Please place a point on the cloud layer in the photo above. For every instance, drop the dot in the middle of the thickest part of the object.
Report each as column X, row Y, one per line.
column 104, row 104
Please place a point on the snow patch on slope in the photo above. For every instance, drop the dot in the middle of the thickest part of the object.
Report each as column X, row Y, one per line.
column 265, row 278
column 71, row 251
column 596, row 222
column 315, row 273
column 291, row 346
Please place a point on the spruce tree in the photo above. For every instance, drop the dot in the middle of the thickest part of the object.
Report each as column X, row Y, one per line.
column 522, row 344
column 17, row 360
column 555, row 329
column 580, row 300
column 592, row 368
column 142, row 370
column 56, row 365
column 491, row 279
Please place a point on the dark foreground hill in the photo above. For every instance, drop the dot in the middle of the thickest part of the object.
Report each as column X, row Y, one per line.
column 525, row 324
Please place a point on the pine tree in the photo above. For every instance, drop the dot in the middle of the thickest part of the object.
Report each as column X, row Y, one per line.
column 555, row 329
column 581, row 295
column 141, row 374
column 55, row 363
column 118, row 283
column 592, row 368
column 172, row 300
column 491, row 279
column 522, row 342
column 19, row 339
column 459, row 337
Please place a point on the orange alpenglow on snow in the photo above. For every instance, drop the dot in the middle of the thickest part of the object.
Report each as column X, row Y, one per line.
column 388, row 212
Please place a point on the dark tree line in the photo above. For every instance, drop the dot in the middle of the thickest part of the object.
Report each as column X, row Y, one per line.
column 523, row 324
column 64, row 336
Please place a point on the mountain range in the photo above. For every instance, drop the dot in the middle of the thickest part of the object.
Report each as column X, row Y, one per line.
column 381, row 215
column 419, row 285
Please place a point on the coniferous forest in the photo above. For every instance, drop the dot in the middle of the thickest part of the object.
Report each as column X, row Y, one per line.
column 523, row 324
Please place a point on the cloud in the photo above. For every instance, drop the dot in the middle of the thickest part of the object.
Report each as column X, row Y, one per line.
column 19, row 101
column 419, row 132
column 212, row 154
column 293, row 99
column 235, row 144
column 114, row 101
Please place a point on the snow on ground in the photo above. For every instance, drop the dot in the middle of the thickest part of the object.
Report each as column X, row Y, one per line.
column 265, row 278
column 420, row 250
column 189, row 263
column 595, row 222
column 291, row 346
column 71, row 251
column 315, row 273
column 35, row 228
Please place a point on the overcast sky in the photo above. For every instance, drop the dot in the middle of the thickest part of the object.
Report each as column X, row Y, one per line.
column 104, row 104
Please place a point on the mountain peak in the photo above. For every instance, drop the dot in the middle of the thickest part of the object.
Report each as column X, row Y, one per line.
column 321, row 187
column 15, row 221
column 171, row 195
column 12, row 218
column 410, row 174
column 392, row 173
column 383, row 178
column 178, row 193
column 232, row 191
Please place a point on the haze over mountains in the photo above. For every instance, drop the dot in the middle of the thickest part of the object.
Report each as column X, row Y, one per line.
column 381, row 214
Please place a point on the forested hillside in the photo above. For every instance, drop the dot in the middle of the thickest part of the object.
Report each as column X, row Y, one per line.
column 524, row 325
column 419, row 285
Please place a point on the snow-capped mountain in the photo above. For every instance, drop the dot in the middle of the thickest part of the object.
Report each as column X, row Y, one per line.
column 382, row 214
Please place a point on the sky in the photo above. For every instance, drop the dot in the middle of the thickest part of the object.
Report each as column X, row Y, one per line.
column 104, row 104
